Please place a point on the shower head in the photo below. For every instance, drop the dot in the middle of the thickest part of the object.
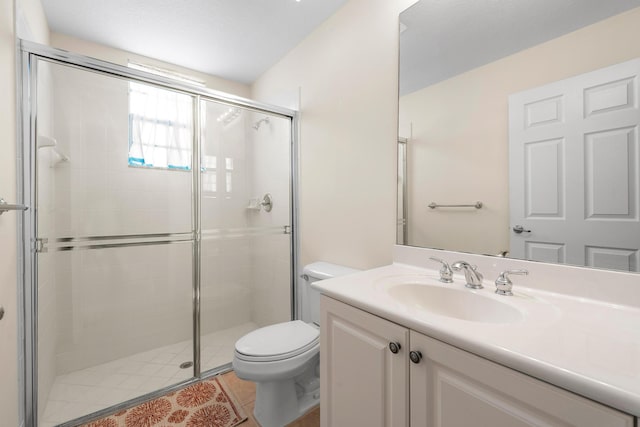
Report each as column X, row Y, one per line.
column 257, row 125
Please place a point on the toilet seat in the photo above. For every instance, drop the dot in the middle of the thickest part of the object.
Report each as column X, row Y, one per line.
column 277, row 342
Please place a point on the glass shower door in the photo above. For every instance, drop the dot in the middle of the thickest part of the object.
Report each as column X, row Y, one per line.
column 245, row 205
column 142, row 273
column 114, row 240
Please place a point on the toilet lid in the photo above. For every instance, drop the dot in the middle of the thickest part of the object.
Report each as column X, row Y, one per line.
column 278, row 341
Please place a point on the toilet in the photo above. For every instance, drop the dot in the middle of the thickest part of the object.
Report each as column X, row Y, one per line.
column 284, row 359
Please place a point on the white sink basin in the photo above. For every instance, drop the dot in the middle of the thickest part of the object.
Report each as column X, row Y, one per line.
column 460, row 304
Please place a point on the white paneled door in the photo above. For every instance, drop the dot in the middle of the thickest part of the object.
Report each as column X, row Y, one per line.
column 573, row 156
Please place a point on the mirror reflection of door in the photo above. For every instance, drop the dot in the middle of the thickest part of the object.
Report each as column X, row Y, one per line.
column 573, row 148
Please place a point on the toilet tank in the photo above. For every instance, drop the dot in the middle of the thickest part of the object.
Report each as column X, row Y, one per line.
column 310, row 298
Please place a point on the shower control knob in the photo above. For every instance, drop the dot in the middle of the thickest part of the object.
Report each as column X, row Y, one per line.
column 394, row 347
column 415, row 356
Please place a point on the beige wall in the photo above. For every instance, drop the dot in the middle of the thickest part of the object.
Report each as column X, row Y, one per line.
column 458, row 152
column 8, row 297
column 31, row 18
column 121, row 57
column 347, row 71
column 32, row 14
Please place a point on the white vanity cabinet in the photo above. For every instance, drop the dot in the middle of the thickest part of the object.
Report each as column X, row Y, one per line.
column 365, row 384
column 451, row 387
column 362, row 382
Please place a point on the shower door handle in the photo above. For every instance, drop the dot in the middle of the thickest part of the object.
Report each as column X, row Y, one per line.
column 5, row 207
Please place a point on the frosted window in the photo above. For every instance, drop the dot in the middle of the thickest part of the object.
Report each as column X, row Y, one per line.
column 160, row 128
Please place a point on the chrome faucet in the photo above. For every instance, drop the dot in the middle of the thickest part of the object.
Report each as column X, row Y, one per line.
column 446, row 275
column 504, row 284
column 471, row 274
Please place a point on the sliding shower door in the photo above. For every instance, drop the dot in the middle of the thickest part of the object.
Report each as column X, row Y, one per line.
column 246, row 225
column 160, row 227
column 114, row 240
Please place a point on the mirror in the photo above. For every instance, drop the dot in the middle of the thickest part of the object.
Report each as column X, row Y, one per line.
column 518, row 129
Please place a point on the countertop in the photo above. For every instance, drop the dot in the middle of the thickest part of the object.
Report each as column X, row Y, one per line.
column 589, row 347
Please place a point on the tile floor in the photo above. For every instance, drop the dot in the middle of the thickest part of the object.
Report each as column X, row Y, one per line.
column 92, row 389
column 245, row 393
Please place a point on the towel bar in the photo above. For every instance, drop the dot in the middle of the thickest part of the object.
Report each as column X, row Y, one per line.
column 476, row 205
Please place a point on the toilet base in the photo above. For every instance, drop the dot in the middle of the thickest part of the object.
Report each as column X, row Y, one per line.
column 279, row 403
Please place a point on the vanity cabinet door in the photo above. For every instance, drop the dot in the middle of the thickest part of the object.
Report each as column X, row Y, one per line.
column 363, row 382
column 452, row 388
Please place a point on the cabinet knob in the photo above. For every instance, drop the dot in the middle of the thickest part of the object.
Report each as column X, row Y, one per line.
column 415, row 356
column 394, row 347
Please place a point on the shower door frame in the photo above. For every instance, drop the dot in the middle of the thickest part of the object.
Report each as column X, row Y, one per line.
column 28, row 55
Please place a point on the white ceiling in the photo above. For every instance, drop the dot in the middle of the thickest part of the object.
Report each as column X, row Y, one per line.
column 444, row 38
column 234, row 39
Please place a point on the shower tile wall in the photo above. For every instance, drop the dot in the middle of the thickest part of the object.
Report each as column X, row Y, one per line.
column 270, row 291
column 255, row 269
column 120, row 301
column 226, row 262
column 269, row 153
column 99, row 194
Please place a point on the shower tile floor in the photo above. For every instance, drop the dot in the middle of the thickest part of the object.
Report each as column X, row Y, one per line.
column 89, row 390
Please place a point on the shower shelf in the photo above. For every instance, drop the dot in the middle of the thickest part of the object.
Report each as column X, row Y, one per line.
column 49, row 142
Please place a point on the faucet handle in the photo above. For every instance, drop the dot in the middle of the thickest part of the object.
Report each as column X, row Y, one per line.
column 446, row 275
column 504, row 284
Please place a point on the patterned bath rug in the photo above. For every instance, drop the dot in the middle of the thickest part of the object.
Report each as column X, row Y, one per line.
column 204, row 404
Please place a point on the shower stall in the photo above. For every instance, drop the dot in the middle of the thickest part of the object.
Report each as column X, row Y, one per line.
column 160, row 230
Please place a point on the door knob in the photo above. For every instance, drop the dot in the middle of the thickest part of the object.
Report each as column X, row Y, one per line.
column 415, row 356
column 394, row 347
column 518, row 229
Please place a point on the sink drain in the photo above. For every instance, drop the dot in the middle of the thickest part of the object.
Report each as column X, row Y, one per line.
column 185, row 365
